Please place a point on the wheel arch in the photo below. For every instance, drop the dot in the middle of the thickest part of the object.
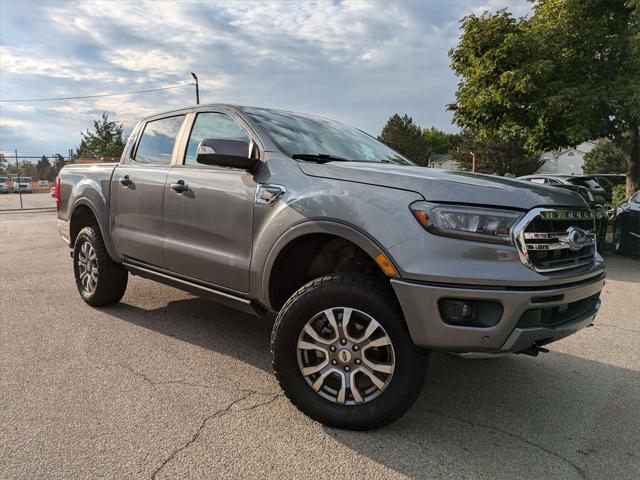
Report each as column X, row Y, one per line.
column 84, row 213
column 309, row 235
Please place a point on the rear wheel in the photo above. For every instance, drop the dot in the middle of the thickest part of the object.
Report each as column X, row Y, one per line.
column 342, row 354
column 99, row 279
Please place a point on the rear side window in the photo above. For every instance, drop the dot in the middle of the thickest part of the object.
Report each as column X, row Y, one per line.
column 156, row 144
column 212, row 125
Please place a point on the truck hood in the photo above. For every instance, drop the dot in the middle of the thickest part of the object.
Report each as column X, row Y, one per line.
column 448, row 186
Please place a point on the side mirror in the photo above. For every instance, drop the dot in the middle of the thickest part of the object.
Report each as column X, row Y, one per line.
column 226, row 153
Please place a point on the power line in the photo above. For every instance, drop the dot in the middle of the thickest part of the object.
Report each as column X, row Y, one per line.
column 97, row 96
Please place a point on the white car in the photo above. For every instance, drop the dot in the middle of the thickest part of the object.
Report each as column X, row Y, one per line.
column 22, row 185
column 4, row 185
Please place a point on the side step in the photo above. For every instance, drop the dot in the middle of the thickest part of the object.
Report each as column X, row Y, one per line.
column 218, row 296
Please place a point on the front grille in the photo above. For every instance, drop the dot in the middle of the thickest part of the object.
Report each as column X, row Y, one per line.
column 551, row 240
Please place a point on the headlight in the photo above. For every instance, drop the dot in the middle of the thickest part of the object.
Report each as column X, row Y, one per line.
column 469, row 222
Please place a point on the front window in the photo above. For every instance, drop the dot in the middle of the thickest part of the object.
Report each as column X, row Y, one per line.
column 297, row 134
column 212, row 125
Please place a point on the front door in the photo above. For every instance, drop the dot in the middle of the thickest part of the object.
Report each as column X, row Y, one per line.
column 208, row 226
column 138, row 189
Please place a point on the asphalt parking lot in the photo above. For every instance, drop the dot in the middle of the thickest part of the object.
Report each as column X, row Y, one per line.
column 11, row 201
column 166, row 385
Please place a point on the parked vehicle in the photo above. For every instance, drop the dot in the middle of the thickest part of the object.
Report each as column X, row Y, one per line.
column 22, row 185
column 601, row 216
column 626, row 226
column 368, row 260
column 4, row 185
column 600, row 194
column 613, row 178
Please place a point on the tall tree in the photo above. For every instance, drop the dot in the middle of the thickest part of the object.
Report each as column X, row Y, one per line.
column 568, row 73
column 58, row 164
column 43, row 168
column 606, row 157
column 495, row 155
column 403, row 135
column 106, row 140
column 437, row 141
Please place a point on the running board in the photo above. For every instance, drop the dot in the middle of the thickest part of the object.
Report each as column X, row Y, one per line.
column 217, row 296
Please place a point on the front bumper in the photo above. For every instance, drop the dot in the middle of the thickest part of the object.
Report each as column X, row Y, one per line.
column 519, row 325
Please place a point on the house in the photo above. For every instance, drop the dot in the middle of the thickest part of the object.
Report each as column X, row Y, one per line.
column 569, row 161
column 444, row 161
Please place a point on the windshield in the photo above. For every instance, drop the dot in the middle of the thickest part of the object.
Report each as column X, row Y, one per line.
column 297, row 134
column 4, row 179
column 23, row 179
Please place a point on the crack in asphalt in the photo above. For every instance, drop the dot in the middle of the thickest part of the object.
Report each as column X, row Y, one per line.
column 182, row 382
column 203, row 424
column 616, row 326
column 579, row 470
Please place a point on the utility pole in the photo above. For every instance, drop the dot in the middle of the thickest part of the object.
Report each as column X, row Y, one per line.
column 195, row 77
column 473, row 162
column 18, row 177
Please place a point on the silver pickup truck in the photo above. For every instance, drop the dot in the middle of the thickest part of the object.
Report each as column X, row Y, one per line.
column 368, row 260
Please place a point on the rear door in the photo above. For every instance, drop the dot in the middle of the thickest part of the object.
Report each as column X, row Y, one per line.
column 208, row 227
column 138, row 190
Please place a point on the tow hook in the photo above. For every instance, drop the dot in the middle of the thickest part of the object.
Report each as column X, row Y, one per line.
column 534, row 350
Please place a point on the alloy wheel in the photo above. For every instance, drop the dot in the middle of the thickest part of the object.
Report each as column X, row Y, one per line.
column 345, row 356
column 88, row 268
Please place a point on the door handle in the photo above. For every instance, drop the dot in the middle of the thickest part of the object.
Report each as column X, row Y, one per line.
column 180, row 186
column 125, row 181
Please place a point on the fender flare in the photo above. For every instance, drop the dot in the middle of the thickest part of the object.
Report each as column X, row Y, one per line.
column 309, row 227
column 106, row 238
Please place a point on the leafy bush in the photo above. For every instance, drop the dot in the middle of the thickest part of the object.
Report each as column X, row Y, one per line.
column 618, row 195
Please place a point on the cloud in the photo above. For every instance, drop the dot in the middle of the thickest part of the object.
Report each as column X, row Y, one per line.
column 355, row 61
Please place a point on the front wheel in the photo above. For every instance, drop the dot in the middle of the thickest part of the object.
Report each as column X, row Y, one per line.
column 342, row 353
column 99, row 279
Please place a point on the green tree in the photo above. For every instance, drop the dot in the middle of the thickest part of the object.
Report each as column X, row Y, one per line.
column 606, row 157
column 570, row 72
column 3, row 164
column 437, row 141
column 43, row 168
column 495, row 155
column 106, row 140
column 25, row 169
column 58, row 163
column 403, row 135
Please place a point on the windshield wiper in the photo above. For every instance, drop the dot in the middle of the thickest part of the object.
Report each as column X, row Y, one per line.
column 319, row 157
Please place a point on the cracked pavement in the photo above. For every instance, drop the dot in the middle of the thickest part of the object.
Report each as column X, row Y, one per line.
column 167, row 385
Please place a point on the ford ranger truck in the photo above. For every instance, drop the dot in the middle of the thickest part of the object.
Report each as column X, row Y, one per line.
column 368, row 261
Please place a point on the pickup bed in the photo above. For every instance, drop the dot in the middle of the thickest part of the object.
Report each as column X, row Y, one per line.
column 368, row 261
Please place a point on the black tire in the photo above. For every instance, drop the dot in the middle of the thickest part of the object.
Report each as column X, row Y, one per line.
column 112, row 277
column 375, row 298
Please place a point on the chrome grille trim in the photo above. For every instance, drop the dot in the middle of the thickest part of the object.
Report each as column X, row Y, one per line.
column 536, row 244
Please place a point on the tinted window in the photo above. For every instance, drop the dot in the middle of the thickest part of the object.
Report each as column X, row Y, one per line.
column 302, row 134
column 156, row 144
column 585, row 182
column 212, row 125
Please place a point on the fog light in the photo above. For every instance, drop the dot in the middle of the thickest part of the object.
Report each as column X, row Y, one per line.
column 459, row 311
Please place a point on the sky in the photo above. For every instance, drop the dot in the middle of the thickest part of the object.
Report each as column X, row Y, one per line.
column 355, row 61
